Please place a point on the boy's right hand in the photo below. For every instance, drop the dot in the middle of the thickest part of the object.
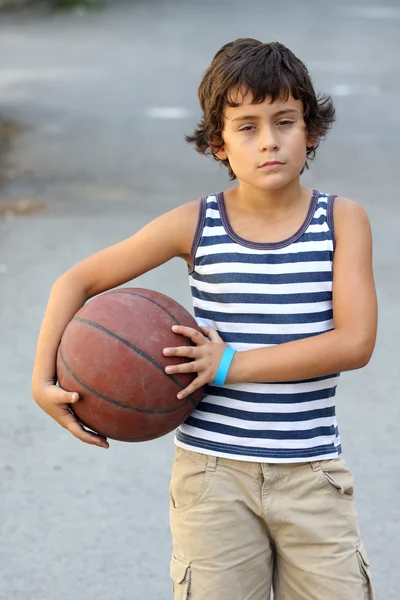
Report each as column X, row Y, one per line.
column 55, row 402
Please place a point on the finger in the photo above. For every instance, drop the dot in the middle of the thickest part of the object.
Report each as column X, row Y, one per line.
column 190, row 389
column 72, row 424
column 188, row 351
column 212, row 334
column 196, row 336
column 189, row 367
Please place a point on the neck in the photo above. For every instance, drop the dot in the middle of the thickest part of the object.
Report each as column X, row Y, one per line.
column 270, row 203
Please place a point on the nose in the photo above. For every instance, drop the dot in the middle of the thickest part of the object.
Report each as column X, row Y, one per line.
column 268, row 139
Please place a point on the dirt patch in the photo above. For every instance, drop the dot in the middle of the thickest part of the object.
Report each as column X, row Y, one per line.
column 11, row 206
column 21, row 207
column 8, row 131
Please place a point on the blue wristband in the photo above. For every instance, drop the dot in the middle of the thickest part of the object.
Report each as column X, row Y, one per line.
column 224, row 366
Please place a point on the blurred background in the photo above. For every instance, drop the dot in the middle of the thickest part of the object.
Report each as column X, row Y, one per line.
column 94, row 104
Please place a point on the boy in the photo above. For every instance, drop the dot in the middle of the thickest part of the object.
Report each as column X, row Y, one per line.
column 283, row 288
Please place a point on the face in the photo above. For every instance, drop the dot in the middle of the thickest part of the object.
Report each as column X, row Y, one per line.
column 265, row 143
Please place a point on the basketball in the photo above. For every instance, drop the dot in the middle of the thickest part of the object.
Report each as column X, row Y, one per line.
column 111, row 354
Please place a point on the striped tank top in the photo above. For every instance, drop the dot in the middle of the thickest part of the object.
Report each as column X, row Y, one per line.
column 258, row 295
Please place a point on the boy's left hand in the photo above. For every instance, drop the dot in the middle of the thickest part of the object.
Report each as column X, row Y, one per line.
column 206, row 355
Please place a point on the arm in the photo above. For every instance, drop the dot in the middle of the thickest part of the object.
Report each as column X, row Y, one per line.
column 350, row 344
column 169, row 236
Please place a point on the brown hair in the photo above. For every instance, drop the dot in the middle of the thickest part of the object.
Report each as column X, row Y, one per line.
column 266, row 70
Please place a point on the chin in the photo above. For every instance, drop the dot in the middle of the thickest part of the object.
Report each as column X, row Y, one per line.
column 273, row 183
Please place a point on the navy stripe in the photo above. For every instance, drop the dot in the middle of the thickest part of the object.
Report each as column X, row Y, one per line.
column 267, row 417
column 264, row 259
column 239, row 298
column 321, row 220
column 264, row 278
column 266, row 434
column 239, row 450
column 212, row 205
column 273, row 319
column 212, row 222
column 214, row 240
column 271, row 398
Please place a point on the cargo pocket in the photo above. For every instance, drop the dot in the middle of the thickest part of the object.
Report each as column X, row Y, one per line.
column 369, row 593
column 180, row 574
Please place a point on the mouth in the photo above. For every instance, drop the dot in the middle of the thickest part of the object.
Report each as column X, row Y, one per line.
column 271, row 164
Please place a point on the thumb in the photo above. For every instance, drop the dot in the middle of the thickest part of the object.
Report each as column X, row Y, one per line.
column 64, row 397
column 73, row 397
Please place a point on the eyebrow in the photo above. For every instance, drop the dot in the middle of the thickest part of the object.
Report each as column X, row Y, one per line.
column 277, row 114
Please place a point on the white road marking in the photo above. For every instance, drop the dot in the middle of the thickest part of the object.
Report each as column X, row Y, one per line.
column 373, row 12
column 362, row 90
column 167, row 112
column 9, row 77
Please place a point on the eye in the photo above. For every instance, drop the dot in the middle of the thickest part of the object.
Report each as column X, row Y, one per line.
column 247, row 128
column 285, row 122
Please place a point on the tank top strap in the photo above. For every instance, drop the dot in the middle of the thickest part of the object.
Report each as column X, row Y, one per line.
column 209, row 216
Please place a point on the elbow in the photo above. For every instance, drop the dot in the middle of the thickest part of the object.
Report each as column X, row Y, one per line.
column 360, row 353
column 70, row 281
column 361, row 360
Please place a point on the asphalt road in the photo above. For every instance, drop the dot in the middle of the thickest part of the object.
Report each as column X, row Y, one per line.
column 105, row 99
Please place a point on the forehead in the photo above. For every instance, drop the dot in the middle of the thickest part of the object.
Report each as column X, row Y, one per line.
column 244, row 100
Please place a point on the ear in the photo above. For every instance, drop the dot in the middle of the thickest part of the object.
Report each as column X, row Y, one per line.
column 311, row 141
column 218, row 151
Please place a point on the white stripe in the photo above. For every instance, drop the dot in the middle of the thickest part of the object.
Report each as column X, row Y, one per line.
column 262, row 309
column 263, row 288
column 256, row 407
column 318, row 228
column 212, row 213
column 294, row 248
column 269, row 328
column 265, row 268
column 284, row 388
column 264, row 425
column 320, row 212
column 301, row 444
column 213, row 231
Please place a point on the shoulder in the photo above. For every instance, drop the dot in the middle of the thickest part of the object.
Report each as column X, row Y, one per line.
column 186, row 215
column 349, row 217
column 182, row 223
column 346, row 208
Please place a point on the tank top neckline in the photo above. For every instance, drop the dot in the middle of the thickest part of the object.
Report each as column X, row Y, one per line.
column 266, row 245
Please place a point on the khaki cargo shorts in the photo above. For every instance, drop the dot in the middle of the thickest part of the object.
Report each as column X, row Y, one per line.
column 242, row 528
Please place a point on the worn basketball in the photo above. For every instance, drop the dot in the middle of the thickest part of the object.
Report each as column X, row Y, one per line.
column 111, row 354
